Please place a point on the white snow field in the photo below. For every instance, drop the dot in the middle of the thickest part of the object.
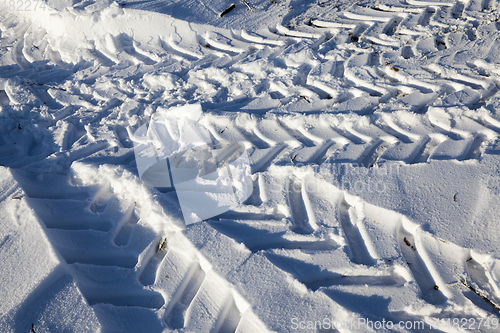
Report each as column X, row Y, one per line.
column 372, row 130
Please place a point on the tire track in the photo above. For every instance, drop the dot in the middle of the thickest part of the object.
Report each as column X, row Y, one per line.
column 198, row 298
column 373, row 153
column 373, row 148
column 332, row 55
column 418, row 267
column 300, row 146
column 426, row 16
column 175, row 313
column 381, row 251
column 94, row 259
column 303, row 222
column 124, row 45
column 19, row 46
column 480, row 278
column 123, row 265
column 229, row 319
column 357, row 247
column 427, row 146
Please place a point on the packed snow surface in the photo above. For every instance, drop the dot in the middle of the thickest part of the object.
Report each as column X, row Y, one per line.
column 288, row 166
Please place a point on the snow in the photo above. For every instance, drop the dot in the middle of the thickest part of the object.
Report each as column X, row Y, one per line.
column 286, row 167
column 35, row 285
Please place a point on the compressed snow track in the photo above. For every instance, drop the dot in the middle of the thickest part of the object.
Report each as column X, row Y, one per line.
column 125, row 270
column 374, row 86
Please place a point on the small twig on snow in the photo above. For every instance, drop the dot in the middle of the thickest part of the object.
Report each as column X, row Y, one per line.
column 227, row 10
column 248, row 5
column 162, row 245
column 479, row 294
